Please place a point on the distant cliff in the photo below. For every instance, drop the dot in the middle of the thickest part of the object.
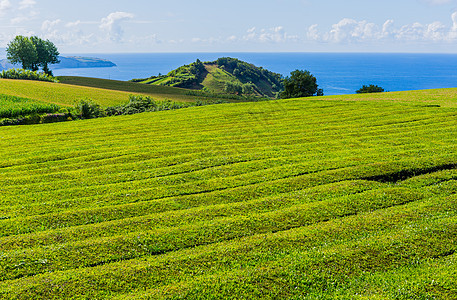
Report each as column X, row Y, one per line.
column 83, row 62
column 67, row 62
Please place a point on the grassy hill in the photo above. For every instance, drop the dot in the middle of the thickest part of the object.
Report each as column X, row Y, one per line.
column 225, row 75
column 350, row 197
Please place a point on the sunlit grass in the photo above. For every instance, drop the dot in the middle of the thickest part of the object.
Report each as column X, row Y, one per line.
column 317, row 198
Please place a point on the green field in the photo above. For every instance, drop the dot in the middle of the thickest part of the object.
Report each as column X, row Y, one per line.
column 156, row 91
column 102, row 91
column 344, row 197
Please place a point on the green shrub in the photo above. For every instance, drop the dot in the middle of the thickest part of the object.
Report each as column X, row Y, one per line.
column 370, row 89
column 138, row 104
column 26, row 75
column 87, row 109
column 233, row 88
column 54, row 118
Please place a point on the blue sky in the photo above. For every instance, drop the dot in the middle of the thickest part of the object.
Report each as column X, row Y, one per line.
column 235, row 26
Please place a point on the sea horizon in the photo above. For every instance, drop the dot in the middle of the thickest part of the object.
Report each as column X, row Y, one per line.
column 337, row 73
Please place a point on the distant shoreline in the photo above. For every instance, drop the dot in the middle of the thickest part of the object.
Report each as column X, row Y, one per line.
column 336, row 73
column 69, row 62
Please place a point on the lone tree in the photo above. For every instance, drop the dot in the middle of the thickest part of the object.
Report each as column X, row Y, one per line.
column 21, row 50
column 47, row 54
column 300, row 84
column 32, row 53
column 370, row 89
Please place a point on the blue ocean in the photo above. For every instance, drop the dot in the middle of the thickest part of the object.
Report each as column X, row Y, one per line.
column 336, row 73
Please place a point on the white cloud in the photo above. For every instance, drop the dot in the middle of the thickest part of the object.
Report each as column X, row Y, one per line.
column 436, row 31
column 21, row 13
column 313, row 32
column 232, row 38
column 437, row 2
column 5, row 5
column 18, row 20
column 50, row 25
column 353, row 31
column 387, row 28
column 250, row 34
column 349, row 30
column 210, row 40
column 61, row 33
column 24, row 4
column 453, row 31
column 272, row 35
column 73, row 24
column 112, row 25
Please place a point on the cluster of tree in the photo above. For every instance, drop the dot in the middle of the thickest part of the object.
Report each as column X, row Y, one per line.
column 238, row 88
column 87, row 109
column 33, row 53
column 300, row 84
column 137, row 104
column 248, row 73
column 370, row 89
column 198, row 69
column 187, row 76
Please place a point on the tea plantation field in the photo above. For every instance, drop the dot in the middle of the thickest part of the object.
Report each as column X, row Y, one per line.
column 11, row 106
column 319, row 198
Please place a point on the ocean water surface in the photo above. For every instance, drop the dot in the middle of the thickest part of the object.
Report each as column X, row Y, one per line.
column 336, row 73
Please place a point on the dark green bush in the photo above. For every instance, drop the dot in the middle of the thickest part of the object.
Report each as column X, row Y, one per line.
column 300, row 83
column 370, row 89
column 54, row 118
column 233, row 88
column 138, row 104
column 87, row 109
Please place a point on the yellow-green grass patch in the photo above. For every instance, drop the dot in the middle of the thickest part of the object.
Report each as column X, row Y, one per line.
column 61, row 94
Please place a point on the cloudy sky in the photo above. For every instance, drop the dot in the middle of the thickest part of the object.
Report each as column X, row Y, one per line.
column 235, row 26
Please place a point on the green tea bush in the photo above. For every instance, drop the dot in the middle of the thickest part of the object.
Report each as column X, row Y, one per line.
column 22, row 111
column 315, row 199
column 12, row 107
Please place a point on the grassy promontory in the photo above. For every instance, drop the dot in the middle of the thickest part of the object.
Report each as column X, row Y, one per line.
column 224, row 75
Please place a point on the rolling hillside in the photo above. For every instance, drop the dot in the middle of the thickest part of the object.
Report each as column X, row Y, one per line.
column 348, row 197
column 102, row 91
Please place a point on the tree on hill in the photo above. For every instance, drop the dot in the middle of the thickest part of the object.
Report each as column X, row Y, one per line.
column 47, row 54
column 370, row 89
column 32, row 53
column 300, row 84
column 233, row 88
column 198, row 69
column 21, row 50
column 225, row 75
column 249, row 74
